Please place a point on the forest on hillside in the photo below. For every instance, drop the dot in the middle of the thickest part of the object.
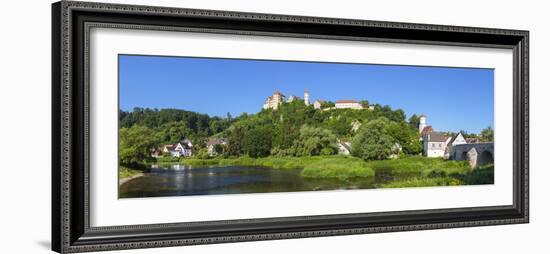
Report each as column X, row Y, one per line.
column 293, row 130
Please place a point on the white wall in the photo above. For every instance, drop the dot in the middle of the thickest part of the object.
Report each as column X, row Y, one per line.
column 25, row 122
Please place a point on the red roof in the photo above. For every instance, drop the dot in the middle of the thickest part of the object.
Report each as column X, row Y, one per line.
column 427, row 129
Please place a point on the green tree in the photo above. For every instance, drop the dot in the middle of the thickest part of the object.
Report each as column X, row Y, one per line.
column 405, row 135
column 202, row 154
column 172, row 132
column 135, row 144
column 414, row 121
column 487, row 134
column 315, row 141
column 235, row 139
column 257, row 141
column 372, row 141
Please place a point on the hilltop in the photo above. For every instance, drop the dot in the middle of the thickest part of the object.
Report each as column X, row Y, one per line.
column 294, row 129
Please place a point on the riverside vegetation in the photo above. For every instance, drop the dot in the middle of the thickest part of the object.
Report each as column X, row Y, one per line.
column 295, row 136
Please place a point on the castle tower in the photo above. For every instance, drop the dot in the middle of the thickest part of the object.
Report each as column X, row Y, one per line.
column 306, row 97
column 422, row 122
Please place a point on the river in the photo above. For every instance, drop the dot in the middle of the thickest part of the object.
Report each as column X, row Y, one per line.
column 181, row 180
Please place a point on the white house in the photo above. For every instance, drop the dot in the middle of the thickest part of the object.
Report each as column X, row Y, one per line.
column 344, row 148
column 457, row 139
column 396, row 149
column 211, row 145
column 355, row 125
column 435, row 144
column 353, row 104
column 317, row 104
column 182, row 148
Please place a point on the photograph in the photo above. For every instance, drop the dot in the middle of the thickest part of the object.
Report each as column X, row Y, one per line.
column 212, row 126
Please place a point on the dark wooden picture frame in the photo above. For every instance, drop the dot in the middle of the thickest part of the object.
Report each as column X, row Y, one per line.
column 71, row 231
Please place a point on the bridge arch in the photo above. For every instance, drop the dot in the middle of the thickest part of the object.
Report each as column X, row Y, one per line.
column 486, row 158
column 476, row 154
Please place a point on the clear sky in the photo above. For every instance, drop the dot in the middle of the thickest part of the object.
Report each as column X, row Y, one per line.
column 452, row 98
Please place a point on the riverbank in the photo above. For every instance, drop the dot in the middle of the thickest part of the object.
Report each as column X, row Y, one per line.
column 481, row 175
column 125, row 174
column 413, row 171
column 344, row 167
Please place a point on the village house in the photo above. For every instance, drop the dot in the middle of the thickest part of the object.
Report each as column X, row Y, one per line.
column 396, row 149
column 167, row 148
column 344, row 148
column 435, row 144
column 355, row 125
column 156, row 152
column 318, row 103
column 352, row 104
column 211, row 145
column 183, row 148
column 457, row 139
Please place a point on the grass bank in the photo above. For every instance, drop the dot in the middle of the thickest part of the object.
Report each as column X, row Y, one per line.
column 126, row 174
column 422, row 166
column 313, row 167
column 480, row 175
column 422, row 171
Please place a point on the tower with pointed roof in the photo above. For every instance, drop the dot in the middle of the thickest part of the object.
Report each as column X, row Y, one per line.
column 422, row 122
column 306, row 97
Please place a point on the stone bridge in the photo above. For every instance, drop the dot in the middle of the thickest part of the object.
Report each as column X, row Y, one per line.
column 476, row 154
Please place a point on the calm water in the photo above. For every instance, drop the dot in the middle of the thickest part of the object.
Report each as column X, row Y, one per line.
column 180, row 180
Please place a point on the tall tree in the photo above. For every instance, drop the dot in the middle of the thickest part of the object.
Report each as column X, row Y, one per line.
column 372, row 141
column 406, row 136
column 135, row 144
column 315, row 141
column 235, row 139
column 414, row 121
column 257, row 141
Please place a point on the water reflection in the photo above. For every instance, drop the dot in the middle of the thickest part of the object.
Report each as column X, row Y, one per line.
column 182, row 180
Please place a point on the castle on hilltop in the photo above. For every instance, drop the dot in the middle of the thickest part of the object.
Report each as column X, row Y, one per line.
column 273, row 102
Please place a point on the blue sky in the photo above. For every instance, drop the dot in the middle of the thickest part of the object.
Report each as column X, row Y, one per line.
column 452, row 98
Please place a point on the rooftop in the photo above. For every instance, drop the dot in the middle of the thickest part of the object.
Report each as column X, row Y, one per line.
column 346, row 101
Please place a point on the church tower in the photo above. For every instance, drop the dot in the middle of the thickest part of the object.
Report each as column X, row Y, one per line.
column 421, row 122
column 306, row 97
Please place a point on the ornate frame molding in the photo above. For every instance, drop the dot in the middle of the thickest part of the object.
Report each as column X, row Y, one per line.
column 71, row 22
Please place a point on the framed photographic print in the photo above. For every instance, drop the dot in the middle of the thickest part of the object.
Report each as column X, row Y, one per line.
column 181, row 126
